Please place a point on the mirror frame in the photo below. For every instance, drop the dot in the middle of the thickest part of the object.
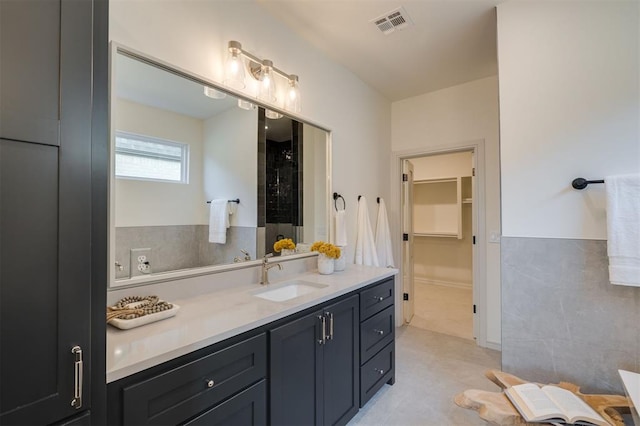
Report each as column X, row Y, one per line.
column 113, row 284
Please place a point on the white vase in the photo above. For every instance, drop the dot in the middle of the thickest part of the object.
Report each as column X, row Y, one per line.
column 325, row 264
column 287, row 252
column 341, row 262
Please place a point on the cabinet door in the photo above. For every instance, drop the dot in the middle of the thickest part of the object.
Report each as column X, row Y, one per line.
column 45, row 228
column 296, row 368
column 341, row 369
column 30, row 70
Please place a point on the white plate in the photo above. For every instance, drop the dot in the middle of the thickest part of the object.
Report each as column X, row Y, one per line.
column 126, row 324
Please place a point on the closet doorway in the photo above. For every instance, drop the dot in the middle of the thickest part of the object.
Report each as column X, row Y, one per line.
column 439, row 255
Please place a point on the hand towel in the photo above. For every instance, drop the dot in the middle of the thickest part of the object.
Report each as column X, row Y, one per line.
column 623, row 229
column 365, row 252
column 384, row 248
column 218, row 221
column 341, row 228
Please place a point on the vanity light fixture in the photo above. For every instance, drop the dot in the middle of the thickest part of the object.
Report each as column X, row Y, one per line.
column 272, row 114
column 265, row 73
column 246, row 105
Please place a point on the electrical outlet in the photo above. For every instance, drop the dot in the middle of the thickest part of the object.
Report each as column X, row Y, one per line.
column 140, row 261
column 494, row 237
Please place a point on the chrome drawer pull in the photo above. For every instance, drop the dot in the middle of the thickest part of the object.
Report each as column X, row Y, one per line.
column 323, row 326
column 379, row 371
column 76, row 402
column 378, row 298
column 210, row 383
column 380, row 332
column 330, row 315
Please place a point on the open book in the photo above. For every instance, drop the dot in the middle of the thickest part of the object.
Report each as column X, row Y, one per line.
column 552, row 404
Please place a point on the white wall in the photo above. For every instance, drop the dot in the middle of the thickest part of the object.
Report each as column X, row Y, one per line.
column 450, row 117
column 442, row 166
column 569, row 107
column 231, row 161
column 194, row 34
column 149, row 203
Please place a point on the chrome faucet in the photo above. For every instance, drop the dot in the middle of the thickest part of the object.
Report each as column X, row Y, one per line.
column 265, row 268
column 247, row 257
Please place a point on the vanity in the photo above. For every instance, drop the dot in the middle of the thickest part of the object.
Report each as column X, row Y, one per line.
column 311, row 349
column 306, row 349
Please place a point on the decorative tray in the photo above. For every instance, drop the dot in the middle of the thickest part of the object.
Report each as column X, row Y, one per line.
column 126, row 324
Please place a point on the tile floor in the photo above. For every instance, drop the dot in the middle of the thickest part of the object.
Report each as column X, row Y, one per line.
column 446, row 310
column 431, row 368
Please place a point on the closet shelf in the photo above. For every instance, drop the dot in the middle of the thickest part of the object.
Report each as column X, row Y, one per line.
column 443, row 180
column 467, row 201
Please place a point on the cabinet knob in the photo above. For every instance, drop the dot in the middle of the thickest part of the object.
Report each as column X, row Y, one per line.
column 378, row 298
column 380, row 332
column 210, row 383
column 379, row 371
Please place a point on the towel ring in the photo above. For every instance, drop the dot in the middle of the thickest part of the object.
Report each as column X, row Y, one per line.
column 335, row 201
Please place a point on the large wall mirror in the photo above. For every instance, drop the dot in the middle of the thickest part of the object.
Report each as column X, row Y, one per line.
column 181, row 149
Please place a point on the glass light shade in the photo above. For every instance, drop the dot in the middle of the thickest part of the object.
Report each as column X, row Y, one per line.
column 292, row 101
column 272, row 114
column 234, row 67
column 213, row 93
column 246, row 105
column 267, row 86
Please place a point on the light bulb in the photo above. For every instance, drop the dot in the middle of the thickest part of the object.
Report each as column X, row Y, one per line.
column 292, row 102
column 267, row 87
column 234, row 67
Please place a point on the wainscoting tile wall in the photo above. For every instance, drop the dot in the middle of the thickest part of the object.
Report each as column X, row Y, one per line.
column 181, row 246
column 561, row 318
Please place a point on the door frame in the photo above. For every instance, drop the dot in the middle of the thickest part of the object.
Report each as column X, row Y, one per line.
column 479, row 212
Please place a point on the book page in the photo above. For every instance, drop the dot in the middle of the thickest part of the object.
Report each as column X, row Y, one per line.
column 537, row 401
column 572, row 405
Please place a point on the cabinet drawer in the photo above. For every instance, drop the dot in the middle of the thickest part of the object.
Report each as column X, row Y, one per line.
column 375, row 299
column 183, row 392
column 376, row 333
column 375, row 373
column 248, row 408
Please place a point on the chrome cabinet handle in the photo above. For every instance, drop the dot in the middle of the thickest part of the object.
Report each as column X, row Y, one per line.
column 323, row 326
column 210, row 383
column 380, row 332
column 379, row 371
column 378, row 298
column 76, row 402
column 330, row 315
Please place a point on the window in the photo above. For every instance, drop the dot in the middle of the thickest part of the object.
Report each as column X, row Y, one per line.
column 148, row 158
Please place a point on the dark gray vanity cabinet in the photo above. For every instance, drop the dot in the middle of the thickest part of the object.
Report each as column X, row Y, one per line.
column 315, row 367
column 224, row 384
column 53, row 168
column 377, row 338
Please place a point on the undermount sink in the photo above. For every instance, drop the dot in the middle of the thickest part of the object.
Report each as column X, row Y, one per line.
column 288, row 290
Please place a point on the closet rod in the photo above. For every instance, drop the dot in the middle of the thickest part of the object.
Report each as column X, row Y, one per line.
column 582, row 183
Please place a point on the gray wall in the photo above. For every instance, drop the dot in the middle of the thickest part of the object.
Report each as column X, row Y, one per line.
column 561, row 318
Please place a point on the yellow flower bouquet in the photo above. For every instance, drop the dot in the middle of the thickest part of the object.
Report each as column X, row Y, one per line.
column 327, row 249
column 286, row 243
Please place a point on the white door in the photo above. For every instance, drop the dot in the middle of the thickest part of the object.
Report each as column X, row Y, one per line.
column 474, row 249
column 407, row 246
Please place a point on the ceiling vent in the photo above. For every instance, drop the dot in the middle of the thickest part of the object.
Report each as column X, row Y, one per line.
column 397, row 19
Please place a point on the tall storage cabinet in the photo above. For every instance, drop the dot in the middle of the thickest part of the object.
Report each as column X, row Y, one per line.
column 315, row 367
column 53, row 162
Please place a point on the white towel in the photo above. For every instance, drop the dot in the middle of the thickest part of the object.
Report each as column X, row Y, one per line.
column 218, row 221
column 365, row 244
column 341, row 228
column 383, row 237
column 623, row 229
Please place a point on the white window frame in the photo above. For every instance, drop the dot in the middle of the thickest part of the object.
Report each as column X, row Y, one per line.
column 184, row 160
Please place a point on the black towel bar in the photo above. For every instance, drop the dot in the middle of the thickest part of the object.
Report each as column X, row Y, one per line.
column 582, row 183
column 237, row 201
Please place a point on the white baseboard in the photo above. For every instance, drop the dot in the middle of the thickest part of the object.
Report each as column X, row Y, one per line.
column 493, row 345
column 453, row 284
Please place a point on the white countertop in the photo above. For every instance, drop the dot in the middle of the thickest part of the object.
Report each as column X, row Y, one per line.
column 216, row 316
